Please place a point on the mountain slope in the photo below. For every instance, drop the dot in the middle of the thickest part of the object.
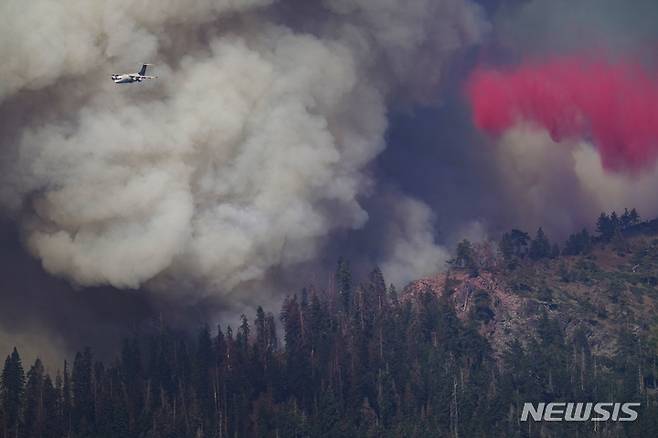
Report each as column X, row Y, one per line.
column 456, row 355
column 604, row 291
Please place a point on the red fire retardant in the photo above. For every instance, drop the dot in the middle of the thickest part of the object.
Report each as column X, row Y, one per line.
column 614, row 105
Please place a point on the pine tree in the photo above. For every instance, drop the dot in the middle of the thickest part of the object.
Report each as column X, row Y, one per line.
column 540, row 247
column 272, row 339
column 52, row 420
column 520, row 241
column 633, row 217
column 244, row 332
column 296, row 360
column 619, row 242
column 34, row 408
column 578, row 243
column 83, row 401
column 67, row 402
column 329, row 421
column 13, row 387
column 605, row 227
column 466, row 257
column 513, row 246
column 377, row 289
column 625, row 219
column 555, row 251
column 203, row 367
column 393, row 295
column 614, row 221
column 320, row 335
column 506, row 247
column 344, row 284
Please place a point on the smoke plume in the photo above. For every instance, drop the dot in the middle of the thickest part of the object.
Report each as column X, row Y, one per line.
column 246, row 155
column 564, row 187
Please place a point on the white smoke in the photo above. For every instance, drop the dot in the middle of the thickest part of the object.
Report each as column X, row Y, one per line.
column 244, row 156
column 412, row 251
column 45, row 40
column 563, row 186
column 610, row 191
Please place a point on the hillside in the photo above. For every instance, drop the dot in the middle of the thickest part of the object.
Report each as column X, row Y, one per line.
column 603, row 292
column 456, row 355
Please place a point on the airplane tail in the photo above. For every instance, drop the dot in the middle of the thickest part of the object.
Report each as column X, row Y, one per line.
column 142, row 72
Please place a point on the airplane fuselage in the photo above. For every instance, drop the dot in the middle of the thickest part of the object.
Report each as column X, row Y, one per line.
column 129, row 78
column 124, row 79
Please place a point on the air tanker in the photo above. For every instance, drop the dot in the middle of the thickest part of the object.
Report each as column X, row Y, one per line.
column 129, row 78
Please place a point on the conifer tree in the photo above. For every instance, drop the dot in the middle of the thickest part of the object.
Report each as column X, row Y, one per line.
column 540, row 247
column 12, row 384
column 204, row 362
column 67, row 403
column 633, row 217
column 466, row 257
column 344, row 284
column 52, row 420
column 34, row 414
column 605, row 227
column 83, row 402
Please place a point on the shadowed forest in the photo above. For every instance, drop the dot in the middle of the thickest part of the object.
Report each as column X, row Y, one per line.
column 361, row 360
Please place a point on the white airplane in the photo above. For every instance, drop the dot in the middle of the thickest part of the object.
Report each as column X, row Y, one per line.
column 129, row 78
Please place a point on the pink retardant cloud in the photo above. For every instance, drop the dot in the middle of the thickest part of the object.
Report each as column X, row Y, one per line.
column 614, row 105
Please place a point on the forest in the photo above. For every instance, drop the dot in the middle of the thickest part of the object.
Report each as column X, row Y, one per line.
column 357, row 360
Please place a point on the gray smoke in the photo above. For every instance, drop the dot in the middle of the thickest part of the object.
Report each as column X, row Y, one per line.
column 539, row 27
column 250, row 150
column 564, row 186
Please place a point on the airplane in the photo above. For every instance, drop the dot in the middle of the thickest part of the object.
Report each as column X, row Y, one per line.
column 129, row 78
